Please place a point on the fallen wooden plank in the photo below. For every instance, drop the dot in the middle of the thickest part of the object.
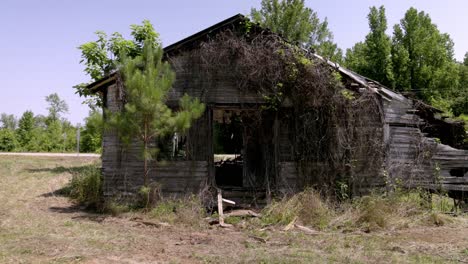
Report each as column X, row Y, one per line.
column 229, row 201
column 307, row 230
column 290, row 225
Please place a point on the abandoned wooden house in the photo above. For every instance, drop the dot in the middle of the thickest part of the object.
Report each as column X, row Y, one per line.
column 336, row 129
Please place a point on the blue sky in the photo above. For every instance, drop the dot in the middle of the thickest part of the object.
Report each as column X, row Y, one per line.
column 39, row 39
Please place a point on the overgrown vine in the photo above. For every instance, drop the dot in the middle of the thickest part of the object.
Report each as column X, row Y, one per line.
column 337, row 131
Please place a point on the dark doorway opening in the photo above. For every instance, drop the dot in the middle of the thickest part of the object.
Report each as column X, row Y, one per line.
column 228, row 148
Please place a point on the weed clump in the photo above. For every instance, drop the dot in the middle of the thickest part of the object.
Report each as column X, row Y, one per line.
column 187, row 211
column 307, row 207
column 381, row 211
column 85, row 187
column 374, row 211
column 437, row 219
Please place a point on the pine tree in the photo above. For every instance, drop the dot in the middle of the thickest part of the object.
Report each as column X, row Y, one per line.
column 146, row 117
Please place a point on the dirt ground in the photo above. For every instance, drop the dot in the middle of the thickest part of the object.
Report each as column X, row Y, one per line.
column 38, row 226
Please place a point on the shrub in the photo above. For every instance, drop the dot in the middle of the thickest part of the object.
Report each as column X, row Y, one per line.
column 7, row 140
column 86, row 187
column 149, row 196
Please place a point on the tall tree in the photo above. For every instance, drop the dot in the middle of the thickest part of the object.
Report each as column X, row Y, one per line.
column 355, row 58
column 56, row 107
column 25, row 129
column 146, row 116
column 460, row 102
column 8, row 121
column 297, row 23
column 372, row 58
column 423, row 56
column 54, row 137
column 101, row 56
column 463, row 73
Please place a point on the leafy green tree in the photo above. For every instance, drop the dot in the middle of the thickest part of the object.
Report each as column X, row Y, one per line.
column 101, row 56
column 25, row 129
column 460, row 102
column 423, row 57
column 463, row 73
column 7, row 140
column 8, row 121
column 372, row 58
column 91, row 135
column 146, row 117
column 69, row 136
column 355, row 58
column 401, row 64
column 56, row 128
column 40, row 121
column 297, row 23
column 56, row 107
column 54, row 136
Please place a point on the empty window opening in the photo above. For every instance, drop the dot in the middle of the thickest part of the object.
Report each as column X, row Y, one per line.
column 458, row 172
column 171, row 147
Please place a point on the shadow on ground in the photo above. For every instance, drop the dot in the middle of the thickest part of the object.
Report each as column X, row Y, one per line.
column 78, row 212
column 63, row 192
column 62, row 169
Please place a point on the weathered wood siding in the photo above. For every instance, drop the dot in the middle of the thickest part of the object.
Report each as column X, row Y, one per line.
column 288, row 177
column 193, row 80
column 413, row 158
column 406, row 151
column 123, row 167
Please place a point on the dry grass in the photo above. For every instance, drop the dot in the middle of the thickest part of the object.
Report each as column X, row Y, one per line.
column 307, row 207
column 187, row 211
column 375, row 212
column 37, row 225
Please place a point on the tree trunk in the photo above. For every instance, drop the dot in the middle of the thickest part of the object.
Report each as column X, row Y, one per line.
column 145, row 183
column 145, row 155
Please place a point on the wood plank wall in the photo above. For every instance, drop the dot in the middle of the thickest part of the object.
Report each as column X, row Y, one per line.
column 415, row 158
